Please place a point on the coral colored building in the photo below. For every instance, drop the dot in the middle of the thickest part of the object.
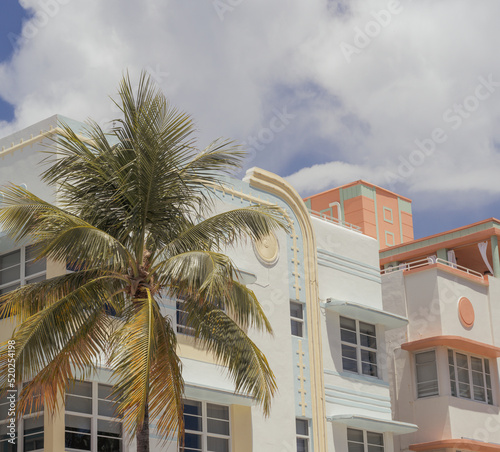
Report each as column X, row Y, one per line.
column 379, row 213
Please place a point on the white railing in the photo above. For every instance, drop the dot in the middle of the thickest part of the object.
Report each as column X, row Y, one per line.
column 327, row 217
column 429, row 261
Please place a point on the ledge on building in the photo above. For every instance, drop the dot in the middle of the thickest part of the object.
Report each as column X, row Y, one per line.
column 455, row 342
column 245, row 277
column 373, row 424
column 468, row 444
column 366, row 313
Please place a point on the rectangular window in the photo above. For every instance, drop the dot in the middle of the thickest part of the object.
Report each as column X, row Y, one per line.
column 19, row 267
column 182, row 317
column 363, row 441
column 470, row 377
column 207, row 427
column 31, row 426
column 90, row 421
column 297, row 318
column 359, row 346
column 302, row 430
column 427, row 381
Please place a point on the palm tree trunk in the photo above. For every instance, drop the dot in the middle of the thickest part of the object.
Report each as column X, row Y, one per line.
column 143, row 433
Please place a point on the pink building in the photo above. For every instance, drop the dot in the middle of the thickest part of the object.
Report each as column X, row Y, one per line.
column 380, row 213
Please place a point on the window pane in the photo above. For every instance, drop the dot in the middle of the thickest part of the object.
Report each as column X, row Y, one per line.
column 106, row 408
column 369, row 369
column 348, row 336
column 78, row 424
column 10, row 274
column 464, row 390
column 348, row 352
column 355, row 435
column 369, row 357
column 368, row 341
column 375, row 438
column 479, row 393
column 462, row 360
column 218, row 427
column 427, row 384
column 192, row 441
column 192, row 423
column 297, row 328
column 109, row 444
column 217, row 444
column 31, row 252
column 302, row 427
column 217, row 411
column 366, row 328
column 375, row 448
column 10, row 259
column 9, row 288
column 34, row 267
column 302, row 445
column 192, row 407
column 33, row 425
column 81, row 388
column 476, row 364
column 348, row 324
column 109, row 428
column 487, row 365
column 78, row 404
column 77, row 433
column 355, row 447
column 296, row 310
column 36, row 279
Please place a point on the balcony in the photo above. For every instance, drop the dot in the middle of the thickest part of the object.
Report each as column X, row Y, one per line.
column 430, row 262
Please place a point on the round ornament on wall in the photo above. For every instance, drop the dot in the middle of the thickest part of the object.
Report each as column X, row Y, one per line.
column 267, row 249
column 466, row 312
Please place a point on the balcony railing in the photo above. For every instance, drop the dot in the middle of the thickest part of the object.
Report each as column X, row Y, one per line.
column 333, row 220
column 430, row 261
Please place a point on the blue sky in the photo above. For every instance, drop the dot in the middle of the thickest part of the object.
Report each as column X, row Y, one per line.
column 402, row 94
column 11, row 18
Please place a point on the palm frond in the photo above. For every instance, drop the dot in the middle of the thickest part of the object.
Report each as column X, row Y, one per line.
column 62, row 236
column 246, row 364
column 146, row 368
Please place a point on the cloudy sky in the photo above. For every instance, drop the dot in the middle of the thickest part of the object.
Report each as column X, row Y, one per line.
column 403, row 94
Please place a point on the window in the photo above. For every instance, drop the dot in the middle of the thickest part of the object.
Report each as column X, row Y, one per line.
column 19, row 267
column 90, row 422
column 388, row 215
column 363, row 441
column 302, row 429
column 427, row 381
column 390, row 240
column 470, row 377
column 359, row 347
column 207, row 427
column 31, row 425
column 182, row 317
column 297, row 318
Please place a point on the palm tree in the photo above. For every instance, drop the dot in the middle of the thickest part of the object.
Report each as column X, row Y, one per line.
column 132, row 219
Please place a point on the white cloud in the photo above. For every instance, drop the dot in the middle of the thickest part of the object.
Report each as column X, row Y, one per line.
column 362, row 120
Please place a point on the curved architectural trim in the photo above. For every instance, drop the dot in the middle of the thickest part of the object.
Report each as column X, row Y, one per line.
column 455, row 342
column 467, row 444
column 271, row 183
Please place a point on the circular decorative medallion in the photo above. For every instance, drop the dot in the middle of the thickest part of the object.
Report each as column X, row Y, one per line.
column 466, row 312
column 267, row 249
